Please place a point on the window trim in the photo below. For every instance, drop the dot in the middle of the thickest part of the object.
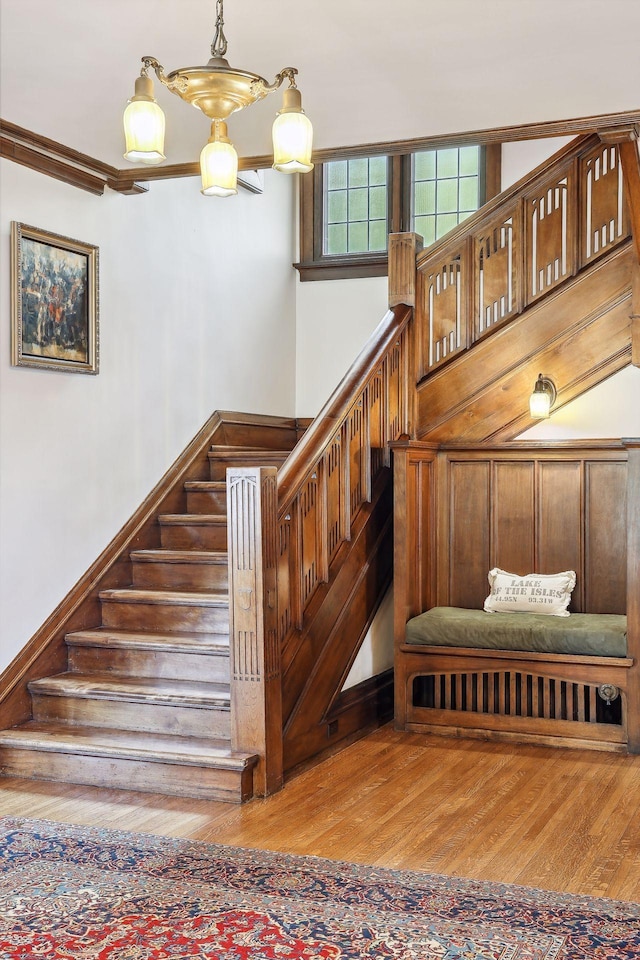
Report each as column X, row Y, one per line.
column 316, row 265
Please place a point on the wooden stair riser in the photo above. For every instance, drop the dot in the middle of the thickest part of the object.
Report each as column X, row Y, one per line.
column 175, row 575
column 218, row 465
column 165, row 618
column 193, row 536
column 183, row 721
column 170, row 665
column 201, row 500
column 170, row 779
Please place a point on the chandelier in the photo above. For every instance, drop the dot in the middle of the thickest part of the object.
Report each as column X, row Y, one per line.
column 218, row 90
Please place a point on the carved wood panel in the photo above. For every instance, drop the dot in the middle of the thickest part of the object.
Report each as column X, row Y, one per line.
column 442, row 312
column 396, row 415
column 559, row 515
column 533, row 515
column 513, row 528
column 469, row 534
column 375, row 395
column 358, row 465
column 602, row 202
column 310, row 533
column 550, row 235
column 246, row 653
column 497, row 266
column 285, row 611
column 606, row 537
column 336, row 488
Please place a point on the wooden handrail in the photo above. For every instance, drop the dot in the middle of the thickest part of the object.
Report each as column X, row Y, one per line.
column 310, row 448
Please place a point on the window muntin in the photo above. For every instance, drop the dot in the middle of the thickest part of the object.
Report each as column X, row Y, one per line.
column 355, row 206
column 445, row 189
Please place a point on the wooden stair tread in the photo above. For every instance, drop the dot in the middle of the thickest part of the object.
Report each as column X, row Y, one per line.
column 141, row 595
column 231, row 449
column 97, row 686
column 104, row 741
column 214, row 486
column 193, row 519
column 130, row 639
column 244, row 453
column 180, row 556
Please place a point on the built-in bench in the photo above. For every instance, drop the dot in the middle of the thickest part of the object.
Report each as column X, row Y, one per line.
column 585, row 634
column 564, row 680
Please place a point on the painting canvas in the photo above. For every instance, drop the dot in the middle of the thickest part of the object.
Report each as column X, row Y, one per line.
column 55, row 301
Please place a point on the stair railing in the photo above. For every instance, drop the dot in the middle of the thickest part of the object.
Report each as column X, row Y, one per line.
column 518, row 248
column 287, row 527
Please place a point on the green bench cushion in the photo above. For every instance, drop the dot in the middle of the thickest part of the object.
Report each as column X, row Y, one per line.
column 589, row 634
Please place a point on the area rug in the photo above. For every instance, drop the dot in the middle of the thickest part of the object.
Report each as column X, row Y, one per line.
column 75, row 892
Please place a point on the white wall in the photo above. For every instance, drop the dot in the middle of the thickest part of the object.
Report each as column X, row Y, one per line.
column 182, row 333
column 334, row 320
column 609, row 411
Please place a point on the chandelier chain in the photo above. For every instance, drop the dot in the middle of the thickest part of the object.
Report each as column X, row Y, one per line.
column 219, row 45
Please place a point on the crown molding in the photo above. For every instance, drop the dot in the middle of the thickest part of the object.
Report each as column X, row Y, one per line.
column 66, row 164
column 62, row 162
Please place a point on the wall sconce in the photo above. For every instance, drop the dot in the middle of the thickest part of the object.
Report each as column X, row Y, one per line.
column 543, row 398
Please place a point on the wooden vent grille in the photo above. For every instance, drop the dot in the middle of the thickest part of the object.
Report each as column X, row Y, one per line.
column 515, row 694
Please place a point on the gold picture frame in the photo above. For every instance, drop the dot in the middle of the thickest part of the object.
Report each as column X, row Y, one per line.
column 54, row 301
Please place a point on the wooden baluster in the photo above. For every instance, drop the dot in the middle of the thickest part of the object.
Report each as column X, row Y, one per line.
column 256, row 698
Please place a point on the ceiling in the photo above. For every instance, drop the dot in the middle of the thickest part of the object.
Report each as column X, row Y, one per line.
column 369, row 71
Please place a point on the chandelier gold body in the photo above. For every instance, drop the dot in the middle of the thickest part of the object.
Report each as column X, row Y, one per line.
column 218, row 90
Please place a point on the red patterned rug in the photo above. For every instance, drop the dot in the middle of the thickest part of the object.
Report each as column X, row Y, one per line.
column 90, row 894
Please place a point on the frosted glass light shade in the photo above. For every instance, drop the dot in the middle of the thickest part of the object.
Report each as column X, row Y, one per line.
column 542, row 398
column 144, row 130
column 219, row 169
column 292, row 142
column 292, row 135
column 539, row 405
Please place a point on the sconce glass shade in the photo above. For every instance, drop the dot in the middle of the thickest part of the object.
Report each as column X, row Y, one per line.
column 542, row 398
column 219, row 164
column 144, row 125
column 292, row 136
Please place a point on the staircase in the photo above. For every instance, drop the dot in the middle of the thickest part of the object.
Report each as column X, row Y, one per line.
column 128, row 684
column 145, row 701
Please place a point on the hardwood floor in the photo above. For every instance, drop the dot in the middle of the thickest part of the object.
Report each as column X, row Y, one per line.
column 564, row 820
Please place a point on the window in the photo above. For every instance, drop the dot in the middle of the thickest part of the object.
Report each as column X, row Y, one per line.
column 355, row 206
column 349, row 205
column 445, row 189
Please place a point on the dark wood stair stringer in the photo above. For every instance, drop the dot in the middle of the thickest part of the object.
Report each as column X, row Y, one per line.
column 145, row 701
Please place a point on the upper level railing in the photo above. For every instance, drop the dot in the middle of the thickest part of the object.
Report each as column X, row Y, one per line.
column 517, row 249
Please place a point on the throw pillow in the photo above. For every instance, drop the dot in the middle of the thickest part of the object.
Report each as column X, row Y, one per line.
column 548, row 593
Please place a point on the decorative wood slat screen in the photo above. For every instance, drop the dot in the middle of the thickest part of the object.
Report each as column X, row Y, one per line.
column 524, row 244
column 512, row 693
column 316, row 519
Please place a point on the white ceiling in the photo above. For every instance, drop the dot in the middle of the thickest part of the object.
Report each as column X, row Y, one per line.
column 369, row 71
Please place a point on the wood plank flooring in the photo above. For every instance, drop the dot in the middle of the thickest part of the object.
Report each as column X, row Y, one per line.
column 564, row 820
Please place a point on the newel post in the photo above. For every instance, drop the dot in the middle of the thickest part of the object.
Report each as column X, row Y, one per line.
column 256, row 690
column 403, row 249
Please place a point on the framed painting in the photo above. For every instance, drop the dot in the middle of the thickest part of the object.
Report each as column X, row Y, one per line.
column 54, row 307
